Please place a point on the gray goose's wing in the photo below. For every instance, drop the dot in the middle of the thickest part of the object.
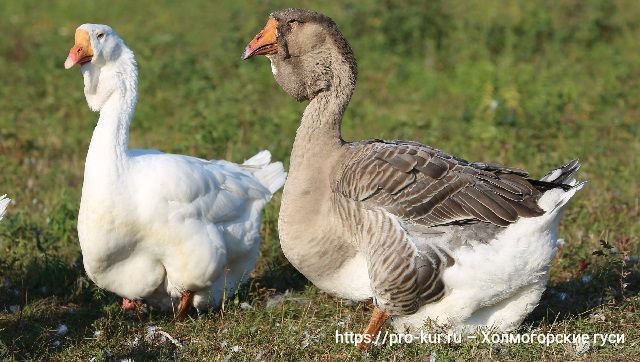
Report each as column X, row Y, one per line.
column 424, row 187
column 427, row 186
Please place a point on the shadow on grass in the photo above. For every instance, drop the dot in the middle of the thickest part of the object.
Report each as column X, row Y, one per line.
column 282, row 277
column 36, row 330
column 608, row 282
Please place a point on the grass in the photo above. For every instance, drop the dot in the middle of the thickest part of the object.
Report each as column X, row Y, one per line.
column 528, row 84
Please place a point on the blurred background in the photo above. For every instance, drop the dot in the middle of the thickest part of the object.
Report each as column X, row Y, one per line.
column 523, row 83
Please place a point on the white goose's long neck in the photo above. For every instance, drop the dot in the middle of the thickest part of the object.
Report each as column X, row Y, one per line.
column 116, row 92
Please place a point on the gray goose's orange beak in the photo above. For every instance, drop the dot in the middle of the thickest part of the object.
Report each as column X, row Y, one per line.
column 265, row 43
column 82, row 52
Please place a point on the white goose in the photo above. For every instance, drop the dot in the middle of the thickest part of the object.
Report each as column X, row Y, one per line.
column 427, row 235
column 4, row 202
column 153, row 226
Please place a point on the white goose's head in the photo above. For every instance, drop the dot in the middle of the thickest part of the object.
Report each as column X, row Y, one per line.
column 103, row 57
column 95, row 44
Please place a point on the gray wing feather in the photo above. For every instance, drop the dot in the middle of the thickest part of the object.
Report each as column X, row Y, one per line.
column 424, row 188
column 425, row 185
column 403, row 278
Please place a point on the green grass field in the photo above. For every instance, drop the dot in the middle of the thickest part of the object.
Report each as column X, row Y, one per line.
column 527, row 84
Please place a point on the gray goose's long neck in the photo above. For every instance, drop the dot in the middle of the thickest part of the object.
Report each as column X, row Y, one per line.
column 317, row 151
column 107, row 155
column 322, row 118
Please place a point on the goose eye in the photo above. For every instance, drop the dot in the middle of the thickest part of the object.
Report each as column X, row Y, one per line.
column 100, row 35
column 292, row 24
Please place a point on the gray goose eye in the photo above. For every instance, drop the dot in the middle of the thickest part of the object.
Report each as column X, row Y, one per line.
column 100, row 35
column 292, row 24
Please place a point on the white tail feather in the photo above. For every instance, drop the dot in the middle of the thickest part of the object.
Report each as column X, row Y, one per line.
column 558, row 197
column 271, row 175
column 259, row 160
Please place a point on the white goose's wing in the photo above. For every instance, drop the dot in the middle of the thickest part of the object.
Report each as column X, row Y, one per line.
column 192, row 188
column 419, row 187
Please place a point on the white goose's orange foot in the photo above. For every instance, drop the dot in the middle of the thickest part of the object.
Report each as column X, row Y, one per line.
column 378, row 318
column 133, row 305
column 185, row 306
column 128, row 304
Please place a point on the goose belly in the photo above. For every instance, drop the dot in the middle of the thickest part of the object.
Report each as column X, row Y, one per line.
column 114, row 258
column 129, row 273
column 327, row 258
column 350, row 280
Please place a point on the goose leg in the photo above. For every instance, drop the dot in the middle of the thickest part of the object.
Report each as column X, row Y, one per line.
column 128, row 304
column 186, row 303
column 378, row 317
column 134, row 305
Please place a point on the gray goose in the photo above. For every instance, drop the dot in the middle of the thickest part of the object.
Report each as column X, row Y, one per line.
column 427, row 235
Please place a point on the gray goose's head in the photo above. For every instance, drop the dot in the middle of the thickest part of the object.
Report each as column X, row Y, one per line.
column 308, row 53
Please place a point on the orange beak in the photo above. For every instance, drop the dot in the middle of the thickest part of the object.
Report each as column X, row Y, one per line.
column 82, row 52
column 265, row 42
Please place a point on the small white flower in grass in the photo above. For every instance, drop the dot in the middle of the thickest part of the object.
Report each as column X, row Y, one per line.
column 586, row 278
column 150, row 333
column 581, row 347
column 245, row 306
column 4, row 201
column 598, row 316
column 62, row 329
column 308, row 338
column 344, row 321
column 236, row 349
column 154, row 332
column 55, row 344
column 260, row 356
column 97, row 334
column 494, row 104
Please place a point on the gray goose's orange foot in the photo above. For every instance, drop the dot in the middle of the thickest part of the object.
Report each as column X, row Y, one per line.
column 378, row 317
column 185, row 306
